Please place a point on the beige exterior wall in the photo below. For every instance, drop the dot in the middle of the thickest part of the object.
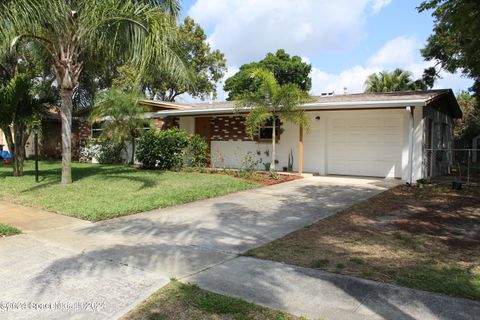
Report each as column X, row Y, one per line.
column 315, row 150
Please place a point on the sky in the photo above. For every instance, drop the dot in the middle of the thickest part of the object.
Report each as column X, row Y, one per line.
column 343, row 40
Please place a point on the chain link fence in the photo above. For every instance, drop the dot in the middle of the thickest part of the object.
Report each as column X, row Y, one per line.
column 462, row 165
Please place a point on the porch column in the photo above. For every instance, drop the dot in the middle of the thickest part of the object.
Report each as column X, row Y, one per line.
column 300, row 151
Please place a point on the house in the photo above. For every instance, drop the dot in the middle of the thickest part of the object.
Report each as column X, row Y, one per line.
column 50, row 139
column 368, row 134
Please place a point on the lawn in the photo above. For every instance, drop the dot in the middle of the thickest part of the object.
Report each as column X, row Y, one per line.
column 427, row 239
column 7, row 230
column 186, row 301
column 106, row 191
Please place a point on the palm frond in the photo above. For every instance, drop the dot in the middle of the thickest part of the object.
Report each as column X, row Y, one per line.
column 256, row 118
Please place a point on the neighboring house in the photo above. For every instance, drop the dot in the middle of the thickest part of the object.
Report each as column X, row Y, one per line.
column 368, row 134
column 50, row 139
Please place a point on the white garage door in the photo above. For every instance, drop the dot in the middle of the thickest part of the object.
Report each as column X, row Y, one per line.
column 365, row 146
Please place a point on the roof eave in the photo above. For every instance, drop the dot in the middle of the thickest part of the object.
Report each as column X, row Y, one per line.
column 307, row 107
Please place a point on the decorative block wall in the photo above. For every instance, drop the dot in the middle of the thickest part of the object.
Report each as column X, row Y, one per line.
column 229, row 128
column 232, row 128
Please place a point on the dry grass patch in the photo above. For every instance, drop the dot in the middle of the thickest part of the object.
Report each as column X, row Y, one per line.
column 186, row 301
column 421, row 238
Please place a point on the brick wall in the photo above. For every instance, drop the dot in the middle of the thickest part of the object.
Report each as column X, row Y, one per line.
column 84, row 131
column 166, row 123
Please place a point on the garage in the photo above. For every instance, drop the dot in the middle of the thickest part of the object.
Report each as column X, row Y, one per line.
column 367, row 145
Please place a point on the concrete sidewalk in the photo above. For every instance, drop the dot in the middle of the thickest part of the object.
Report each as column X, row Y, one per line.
column 29, row 219
column 317, row 294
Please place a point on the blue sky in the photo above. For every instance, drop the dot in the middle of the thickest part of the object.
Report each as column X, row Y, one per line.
column 344, row 40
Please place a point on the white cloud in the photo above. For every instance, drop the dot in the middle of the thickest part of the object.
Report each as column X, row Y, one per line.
column 247, row 29
column 401, row 52
column 378, row 5
column 351, row 79
column 396, row 52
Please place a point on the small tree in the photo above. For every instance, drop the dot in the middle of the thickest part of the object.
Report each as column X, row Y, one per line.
column 468, row 127
column 121, row 115
column 285, row 68
column 270, row 102
column 19, row 110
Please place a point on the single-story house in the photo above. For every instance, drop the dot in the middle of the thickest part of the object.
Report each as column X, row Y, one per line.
column 50, row 139
column 367, row 134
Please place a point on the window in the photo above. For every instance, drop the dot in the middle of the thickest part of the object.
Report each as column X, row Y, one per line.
column 443, row 136
column 96, row 130
column 266, row 131
column 428, row 135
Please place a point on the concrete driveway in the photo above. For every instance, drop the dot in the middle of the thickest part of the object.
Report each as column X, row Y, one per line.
column 101, row 270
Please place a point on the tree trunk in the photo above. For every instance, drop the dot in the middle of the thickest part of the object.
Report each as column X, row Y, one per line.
column 66, row 115
column 274, row 138
column 132, row 160
column 18, row 152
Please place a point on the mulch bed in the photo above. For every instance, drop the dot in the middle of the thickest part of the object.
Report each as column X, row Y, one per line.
column 261, row 177
column 267, row 180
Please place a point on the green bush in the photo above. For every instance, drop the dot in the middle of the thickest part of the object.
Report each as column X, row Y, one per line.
column 162, row 149
column 197, row 154
column 110, row 153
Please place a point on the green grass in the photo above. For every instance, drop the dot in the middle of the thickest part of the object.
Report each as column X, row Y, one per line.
column 186, row 301
column 451, row 280
column 320, row 263
column 106, row 191
column 7, row 230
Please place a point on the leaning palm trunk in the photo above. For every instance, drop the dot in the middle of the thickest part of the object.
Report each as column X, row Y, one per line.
column 16, row 142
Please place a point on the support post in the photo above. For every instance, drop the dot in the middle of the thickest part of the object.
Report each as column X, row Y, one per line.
column 412, row 134
column 300, row 151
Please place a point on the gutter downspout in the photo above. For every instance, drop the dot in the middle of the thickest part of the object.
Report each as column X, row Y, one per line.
column 411, row 109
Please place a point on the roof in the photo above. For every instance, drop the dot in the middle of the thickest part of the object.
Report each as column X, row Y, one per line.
column 382, row 100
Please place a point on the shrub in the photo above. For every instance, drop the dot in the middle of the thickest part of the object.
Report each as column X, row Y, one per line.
column 198, row 151
column 110, row 153
column 105, row 152
column 249, row 162
column 162, row 149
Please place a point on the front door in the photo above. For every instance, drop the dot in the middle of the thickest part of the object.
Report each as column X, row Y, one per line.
column 204, row 129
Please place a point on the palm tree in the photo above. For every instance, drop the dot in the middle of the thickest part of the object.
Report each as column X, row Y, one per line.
column 121, row 115
column 19, row 113
column 384, row 81
column 272, row 102
column 71, row 30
